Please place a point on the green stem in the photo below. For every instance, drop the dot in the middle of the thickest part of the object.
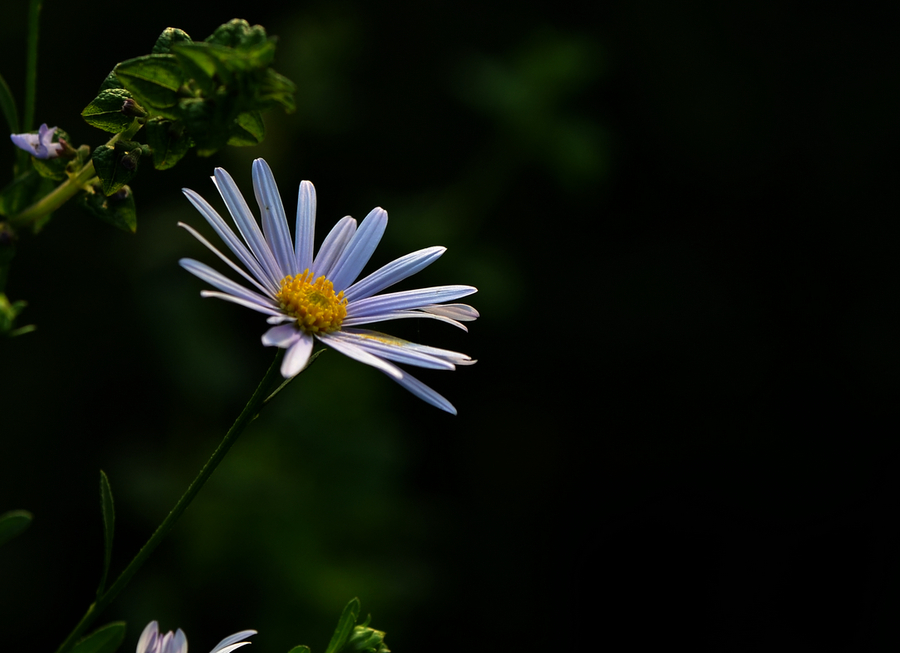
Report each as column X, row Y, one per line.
column 69, row 188
column 34, row 11
column 56, row 198
column 247, row 415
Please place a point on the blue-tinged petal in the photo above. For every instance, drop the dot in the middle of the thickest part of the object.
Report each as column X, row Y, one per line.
column 274, row 221
column 281, row 336
column 222, row 282
column 305, row 229
column 393, row 272
column 224, row 258
column 359, row 250
column 147, row 641
column 332, row 246
column 232, row 640
column 407, row 299
column 246, row 225
column 399, row 315
column 454, row 357
column 238, row 300
column 422, row 391
column 297, row 356
column 227, row 235
column 356, row 352
column 178, row 643
column 461, row 312
column 393, row 349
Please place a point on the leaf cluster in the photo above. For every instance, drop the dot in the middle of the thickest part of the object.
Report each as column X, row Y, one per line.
column 205, row 94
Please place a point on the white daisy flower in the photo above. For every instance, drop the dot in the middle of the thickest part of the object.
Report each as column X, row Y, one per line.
column 152, row 641
column 318, row 297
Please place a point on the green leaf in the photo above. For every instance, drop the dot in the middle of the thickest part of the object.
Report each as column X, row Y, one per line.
column 105, row 639
column 8, row 107
column 248, row 129
column 237, row 32
column 154, row 79
column 300, row 649
column 168, row 141
column 278, row 89
column 118, row 209
column 23, row 191
column 169, row 37
column 13, row 523
column 107, row 508
column 344, row 627
column 116, row 166
column 105, row 111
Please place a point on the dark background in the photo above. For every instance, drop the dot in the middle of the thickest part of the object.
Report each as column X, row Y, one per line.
column 682, row 221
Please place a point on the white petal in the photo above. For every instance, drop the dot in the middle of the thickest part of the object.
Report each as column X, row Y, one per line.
column 356, row 352
column 229, row 238
column 399, row 315
column 393, row 272
column 333, row 245
column 227, row 260
column 422, row 391
column 147, row 641
column 274, row 220
column 407, row 299
column 232, row 641
column 359, row 250
column 461, row 312
column 393, row 349
column 297, row 356
column 305, row 229
column 243, row 302
column 281, row 336
column 246, row 225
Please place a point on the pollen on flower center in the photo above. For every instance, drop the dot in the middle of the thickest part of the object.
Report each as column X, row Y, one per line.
column 313, row 302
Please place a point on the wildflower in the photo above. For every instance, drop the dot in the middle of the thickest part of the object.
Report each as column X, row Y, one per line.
column 152, row 641
column 318, row 297
column 38, row 145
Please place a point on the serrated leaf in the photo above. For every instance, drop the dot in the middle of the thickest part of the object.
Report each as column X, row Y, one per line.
column 110, row 82
column 169, row 37
column 117, row 209
column 345, row 626
column 248, row 130
column 105, row 111
column 105, row 639
column 154, row 78
column 13, row 523
column 116, row 166
column 107, row 508
column 237, row 32
column 168, row 141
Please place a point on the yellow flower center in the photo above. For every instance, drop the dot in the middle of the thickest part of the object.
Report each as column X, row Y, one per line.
column 314, row 303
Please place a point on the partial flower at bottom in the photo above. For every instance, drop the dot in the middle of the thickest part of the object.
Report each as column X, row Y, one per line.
column 152, row 641
column 318, row 297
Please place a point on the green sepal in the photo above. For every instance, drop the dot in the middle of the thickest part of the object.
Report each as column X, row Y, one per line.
column 105, row 639
column 168, row 141
column 116, row 166
column 23, row 191
column 154, row 79
column 118, row 209
column 169, row 37
column 14, row 522
column 248, row 129
column 278, row 89
column 344, row 627
column 105, row 111
column 300, row 649
column 107, row 508
column 54, row 168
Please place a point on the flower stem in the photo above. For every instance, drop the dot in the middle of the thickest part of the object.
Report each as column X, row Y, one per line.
column 56, row 198
column 251, row 410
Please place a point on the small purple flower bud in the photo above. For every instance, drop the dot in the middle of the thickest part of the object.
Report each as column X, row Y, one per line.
column 40, row 145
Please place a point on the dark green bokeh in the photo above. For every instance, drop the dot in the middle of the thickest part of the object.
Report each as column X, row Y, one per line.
column 682, row 224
